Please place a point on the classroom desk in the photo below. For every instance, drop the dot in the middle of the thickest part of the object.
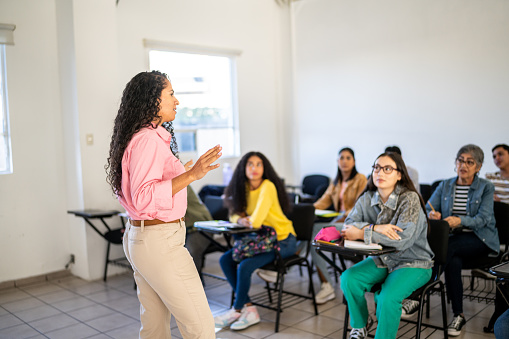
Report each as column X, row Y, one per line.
column 501, row 271
column 112, row 236
column 343, row 251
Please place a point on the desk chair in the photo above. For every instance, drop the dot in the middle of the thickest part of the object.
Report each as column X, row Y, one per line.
column 313, row 187
column 302, row 216
column 112, row 236
column 481, row 267
column 438, row 239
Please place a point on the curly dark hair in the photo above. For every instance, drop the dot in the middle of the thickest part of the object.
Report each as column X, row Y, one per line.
column 405, row 181
column 236, row 193
column 139, row 108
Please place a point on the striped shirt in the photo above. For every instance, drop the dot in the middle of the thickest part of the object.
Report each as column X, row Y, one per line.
column 501, row 186
column 460, row 200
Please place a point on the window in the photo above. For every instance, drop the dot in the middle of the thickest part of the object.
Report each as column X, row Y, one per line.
column 5, row 140
column 205, row 85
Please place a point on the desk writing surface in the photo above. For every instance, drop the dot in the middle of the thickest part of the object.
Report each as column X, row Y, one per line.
column 221, row 226
column 501, row 270
column 94, row 213
column 340, row 248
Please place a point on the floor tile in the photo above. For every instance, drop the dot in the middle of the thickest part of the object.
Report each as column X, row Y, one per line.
column 9, row 320
column 37, row 313
column 77, row 331
column 110, row 322
column 53, row 323
column 18, row 332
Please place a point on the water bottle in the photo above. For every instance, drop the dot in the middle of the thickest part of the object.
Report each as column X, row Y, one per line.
column 227, row 174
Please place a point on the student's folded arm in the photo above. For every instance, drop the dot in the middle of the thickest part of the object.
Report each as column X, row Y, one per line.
column 408, row 216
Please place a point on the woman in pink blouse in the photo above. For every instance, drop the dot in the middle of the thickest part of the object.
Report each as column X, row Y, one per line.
column 149, row 180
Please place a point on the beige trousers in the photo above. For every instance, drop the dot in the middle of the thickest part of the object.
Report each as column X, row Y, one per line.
column 168, row 283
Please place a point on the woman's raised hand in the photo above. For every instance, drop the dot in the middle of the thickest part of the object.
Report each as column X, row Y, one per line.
column 389, row 230
column 204, row 163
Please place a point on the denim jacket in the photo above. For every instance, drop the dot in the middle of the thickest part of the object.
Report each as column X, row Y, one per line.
column 480, row 217
column 404, row 210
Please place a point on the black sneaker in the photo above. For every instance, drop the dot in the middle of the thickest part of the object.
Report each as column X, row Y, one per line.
column 456, row 325
column 408, row 308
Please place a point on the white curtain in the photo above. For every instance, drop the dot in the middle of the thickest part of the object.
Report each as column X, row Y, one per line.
column 6, row 34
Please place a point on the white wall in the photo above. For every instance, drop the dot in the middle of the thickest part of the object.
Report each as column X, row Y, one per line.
column 32, row 199
column 429, row 76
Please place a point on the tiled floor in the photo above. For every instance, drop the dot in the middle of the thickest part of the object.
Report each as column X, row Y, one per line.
column 73, row 308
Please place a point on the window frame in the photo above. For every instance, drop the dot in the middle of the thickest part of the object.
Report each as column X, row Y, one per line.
column 232, row 54
column 6, row 135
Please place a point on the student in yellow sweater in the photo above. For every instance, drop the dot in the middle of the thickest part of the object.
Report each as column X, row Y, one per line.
column 256, row 196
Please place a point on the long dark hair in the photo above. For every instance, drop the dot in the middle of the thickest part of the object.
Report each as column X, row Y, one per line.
column 339, row 176
column 405, row 181
column 236, row 193
column 139, row 108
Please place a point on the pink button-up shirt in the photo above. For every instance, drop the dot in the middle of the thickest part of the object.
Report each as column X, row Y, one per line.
column 148, row 167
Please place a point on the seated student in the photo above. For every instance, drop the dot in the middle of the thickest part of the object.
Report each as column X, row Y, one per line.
column 257, row 197
column 196, row 243
column 466, row 203
column 341, row 194
column 412, row 172
column 391, row 213
column 501, row 178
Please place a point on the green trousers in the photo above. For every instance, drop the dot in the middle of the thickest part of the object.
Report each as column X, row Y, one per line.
column 396, row 286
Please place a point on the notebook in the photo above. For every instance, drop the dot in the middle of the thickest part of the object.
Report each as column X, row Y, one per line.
column 361, row 245
column 211, row 224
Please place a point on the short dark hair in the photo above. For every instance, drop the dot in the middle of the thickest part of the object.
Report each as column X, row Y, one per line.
column 393, row 149
column 504, row 146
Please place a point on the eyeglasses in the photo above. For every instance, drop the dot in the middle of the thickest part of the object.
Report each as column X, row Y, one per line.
column 387, row 169
column 468, row 163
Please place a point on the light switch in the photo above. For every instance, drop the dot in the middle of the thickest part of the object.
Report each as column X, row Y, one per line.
column 90, row 139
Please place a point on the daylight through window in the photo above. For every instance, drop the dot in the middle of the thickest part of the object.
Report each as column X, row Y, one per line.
column 205, row 87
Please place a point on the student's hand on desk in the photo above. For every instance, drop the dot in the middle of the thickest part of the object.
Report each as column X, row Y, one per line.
column 245, row 222
column 350, row 232
column 204, row 163
column 434, row 215
column 390, row 231
column 453, row 221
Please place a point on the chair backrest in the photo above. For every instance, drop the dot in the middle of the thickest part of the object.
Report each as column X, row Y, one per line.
column 438, row 239
column 216, row 207
column 501, row 211
column 311, row 183
column 303, row 217
column 434, row 185
column 206, row 190
column 426, row 191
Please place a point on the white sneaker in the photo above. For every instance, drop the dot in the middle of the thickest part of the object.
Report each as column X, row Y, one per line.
column 326, row 293
column 408, row 308
column 227, row 318
column 248, row 317
column 268, row 276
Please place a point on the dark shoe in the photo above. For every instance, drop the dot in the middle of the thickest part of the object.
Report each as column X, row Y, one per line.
column 456, row 325
column 488, row 329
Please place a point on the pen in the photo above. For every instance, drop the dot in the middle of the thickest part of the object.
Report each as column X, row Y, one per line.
column 430, row 205
column 327, row 242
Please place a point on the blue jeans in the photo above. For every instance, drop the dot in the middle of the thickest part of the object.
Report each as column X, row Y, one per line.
column 462, row 248
column 502, row 326
column 239, row 274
